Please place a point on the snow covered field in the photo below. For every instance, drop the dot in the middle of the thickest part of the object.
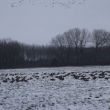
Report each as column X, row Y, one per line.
column 64, row 88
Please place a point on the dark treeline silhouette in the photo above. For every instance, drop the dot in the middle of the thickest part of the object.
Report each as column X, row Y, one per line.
column 75, row 47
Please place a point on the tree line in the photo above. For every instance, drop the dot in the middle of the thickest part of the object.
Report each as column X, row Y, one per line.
column 75, row 47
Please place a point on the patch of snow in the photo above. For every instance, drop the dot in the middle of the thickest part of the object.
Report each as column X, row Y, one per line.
column 63, row 88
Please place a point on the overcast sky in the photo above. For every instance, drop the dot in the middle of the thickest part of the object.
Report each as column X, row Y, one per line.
column 38, row 23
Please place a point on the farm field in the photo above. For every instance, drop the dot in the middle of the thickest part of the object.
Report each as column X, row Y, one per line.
column 62, row 88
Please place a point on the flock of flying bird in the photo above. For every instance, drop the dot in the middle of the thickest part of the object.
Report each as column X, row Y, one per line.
column 46, row 3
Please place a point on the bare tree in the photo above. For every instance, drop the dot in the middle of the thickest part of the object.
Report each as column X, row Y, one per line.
column 58, row 41
column 108, row 39
column 100, row 38
column 76, row 38
column 68, row 39
column 79, row 39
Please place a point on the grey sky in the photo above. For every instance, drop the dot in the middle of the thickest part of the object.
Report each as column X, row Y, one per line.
column 38, row 24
